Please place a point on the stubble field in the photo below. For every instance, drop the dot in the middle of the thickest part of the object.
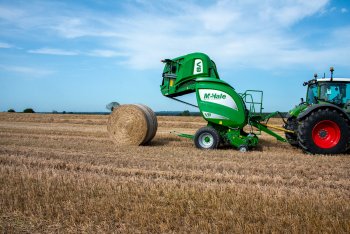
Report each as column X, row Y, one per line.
column 62, row 173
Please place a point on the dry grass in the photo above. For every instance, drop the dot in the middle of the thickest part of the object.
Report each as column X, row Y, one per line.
column 62, row 173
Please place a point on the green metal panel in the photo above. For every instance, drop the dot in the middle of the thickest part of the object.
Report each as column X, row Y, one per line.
column 180, row 74
column 220, row 104
column 297, row 110
column 237, row 139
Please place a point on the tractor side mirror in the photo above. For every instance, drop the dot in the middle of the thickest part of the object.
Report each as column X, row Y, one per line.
column 301, row 100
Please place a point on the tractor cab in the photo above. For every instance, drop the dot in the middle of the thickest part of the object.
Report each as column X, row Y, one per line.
column 335, row 91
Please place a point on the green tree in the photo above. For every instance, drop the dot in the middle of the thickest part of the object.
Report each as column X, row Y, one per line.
column 28, row 110
column 11, row 110
column 185, row 113
column 111, row 106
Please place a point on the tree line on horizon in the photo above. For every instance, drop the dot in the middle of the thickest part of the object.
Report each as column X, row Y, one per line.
column 111, row 107
column 27, row 110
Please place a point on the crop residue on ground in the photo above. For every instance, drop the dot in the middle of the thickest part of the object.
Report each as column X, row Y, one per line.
column 62, row 173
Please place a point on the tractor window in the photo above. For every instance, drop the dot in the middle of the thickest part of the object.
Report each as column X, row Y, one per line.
column 334, row 92
column 346, row 96
column 173, row 68
column 167, row 68
column 170, row 68
column 311, row 94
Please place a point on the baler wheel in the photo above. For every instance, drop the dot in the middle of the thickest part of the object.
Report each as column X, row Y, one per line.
column 206, row 138
column 243, row 149
column 324, row 131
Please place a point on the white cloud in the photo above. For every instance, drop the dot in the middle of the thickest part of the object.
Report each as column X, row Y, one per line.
column 95, row 53
column 61, row 52
column 29, row 71
column 234, row 33
column 52, row 51
column 216, row 20
column 286, row 13
column 10, row 13
column 246, row 33
column 5, row 45
column 343, row 10
column 105, row 53
column 85, row 26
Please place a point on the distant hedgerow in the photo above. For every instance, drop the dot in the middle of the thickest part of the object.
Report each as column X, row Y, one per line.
column 185, row 113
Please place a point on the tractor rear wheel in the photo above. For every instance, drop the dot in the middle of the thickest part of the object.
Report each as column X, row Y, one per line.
column 324, row 131
column 206, row 138
column 292, row 138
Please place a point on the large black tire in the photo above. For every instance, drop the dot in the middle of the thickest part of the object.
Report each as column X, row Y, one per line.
column 324, row 131
column 206, row 138
column 292, row 138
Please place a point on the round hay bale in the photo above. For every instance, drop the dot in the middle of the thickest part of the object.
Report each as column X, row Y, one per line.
column 155, row 121
column 152, row 122
column 132, row 125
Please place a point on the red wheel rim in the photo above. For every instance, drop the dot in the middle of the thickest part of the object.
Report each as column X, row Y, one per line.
column 326, row 134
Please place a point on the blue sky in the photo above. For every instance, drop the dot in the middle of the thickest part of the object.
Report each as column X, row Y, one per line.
column 81, row 55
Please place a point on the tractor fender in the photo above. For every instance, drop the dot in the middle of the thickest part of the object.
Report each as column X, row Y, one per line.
column 319, row 106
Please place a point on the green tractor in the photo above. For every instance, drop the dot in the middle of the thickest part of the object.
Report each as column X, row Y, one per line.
column 320, row 124
column 226, row 111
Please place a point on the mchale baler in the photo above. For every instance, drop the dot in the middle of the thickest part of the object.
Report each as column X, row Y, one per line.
column 319, row 125
column 220, row 105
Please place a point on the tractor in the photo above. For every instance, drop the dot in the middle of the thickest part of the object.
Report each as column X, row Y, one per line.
column 320, row 124
column 229, row 114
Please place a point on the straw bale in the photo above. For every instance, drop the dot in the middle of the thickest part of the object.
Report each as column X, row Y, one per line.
column 152, row 122
column 132, row 125
column 127, row 125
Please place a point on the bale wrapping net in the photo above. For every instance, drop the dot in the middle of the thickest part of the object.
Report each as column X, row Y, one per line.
column 132, row 125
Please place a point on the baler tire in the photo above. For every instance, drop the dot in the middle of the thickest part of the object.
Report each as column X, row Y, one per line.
column 243, row 148
column 292, row 138
column 206, row 138
column 324, row 131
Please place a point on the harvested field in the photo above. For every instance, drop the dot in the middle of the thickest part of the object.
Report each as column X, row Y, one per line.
column 62, row 173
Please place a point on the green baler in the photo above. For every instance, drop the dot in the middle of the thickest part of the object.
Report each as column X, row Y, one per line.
column 221, row 106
